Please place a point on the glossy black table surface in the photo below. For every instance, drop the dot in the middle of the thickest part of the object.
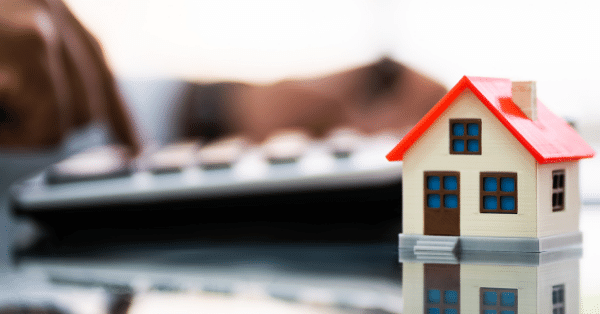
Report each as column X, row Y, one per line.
column 305, row 278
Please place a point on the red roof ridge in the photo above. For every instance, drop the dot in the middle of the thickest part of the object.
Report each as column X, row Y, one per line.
column 548, row 139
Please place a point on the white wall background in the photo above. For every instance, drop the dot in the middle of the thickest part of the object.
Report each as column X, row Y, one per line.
column 556, row 43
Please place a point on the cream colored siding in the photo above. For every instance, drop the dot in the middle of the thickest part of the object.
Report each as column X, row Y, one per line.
column 549, row 222
column 474, row 277
column 561, row 273
column 413, row 280
column 501, row 152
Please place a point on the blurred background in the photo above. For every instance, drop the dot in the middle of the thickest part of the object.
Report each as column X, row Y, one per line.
column 554, row 43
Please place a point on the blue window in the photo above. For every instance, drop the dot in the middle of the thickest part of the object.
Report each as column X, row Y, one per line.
column 458, row 145
column 490, row 312
column 498, row 192
column 451, row 201
column 558, row 294
column 434, row 296
column 490, row 202
column 450, row 183
column 558, row 299
column 472, row 129
column 465, row 136
column 490, row 184
column 441, row 301
column 473, row 146
column 433, row 182
column 458, row 129
column 498, row 301
column 558, row 190
column 507, row 202
column 433, row 200
column 450, row 297
column 507, row 184
column 508, row 299
column 490, row 298
column 442, row 189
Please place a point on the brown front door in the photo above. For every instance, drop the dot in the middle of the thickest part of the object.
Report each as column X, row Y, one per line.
column 442, row 289
column 442, row 203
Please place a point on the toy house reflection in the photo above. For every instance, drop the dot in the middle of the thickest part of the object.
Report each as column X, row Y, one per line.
column 480, row 287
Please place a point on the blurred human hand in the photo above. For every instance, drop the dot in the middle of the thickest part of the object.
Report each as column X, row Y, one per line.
column 382, row 96
column 53, row 78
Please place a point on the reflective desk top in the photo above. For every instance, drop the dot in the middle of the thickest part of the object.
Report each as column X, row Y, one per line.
column 308, row 277
column 304, row 279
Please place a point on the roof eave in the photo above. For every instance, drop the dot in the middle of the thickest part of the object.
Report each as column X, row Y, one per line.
column 397, row 153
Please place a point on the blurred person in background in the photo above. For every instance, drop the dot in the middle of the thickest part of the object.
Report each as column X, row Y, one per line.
column 54, row 80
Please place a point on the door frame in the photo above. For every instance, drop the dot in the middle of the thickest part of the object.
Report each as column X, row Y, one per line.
column 442, row 220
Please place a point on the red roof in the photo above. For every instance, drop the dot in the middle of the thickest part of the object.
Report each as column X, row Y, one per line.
column 549, row 139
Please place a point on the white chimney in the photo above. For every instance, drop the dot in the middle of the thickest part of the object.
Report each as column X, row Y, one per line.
column 524, row 96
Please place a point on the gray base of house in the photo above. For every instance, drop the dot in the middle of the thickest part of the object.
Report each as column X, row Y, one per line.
column 436, row 245
column 493, row 258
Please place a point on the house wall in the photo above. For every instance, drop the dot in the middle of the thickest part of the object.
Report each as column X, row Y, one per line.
column 413, row 281
column 561, row 273
column 501, row 152
column 549, row 222
column 522, row 278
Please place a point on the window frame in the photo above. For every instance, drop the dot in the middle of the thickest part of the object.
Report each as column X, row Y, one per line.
column 445, row 278
column 558, row 190
column 498, row 307
column 441, row 220
column 442, row 191
column 465, row 137
column 498, row 193
column 558, row 292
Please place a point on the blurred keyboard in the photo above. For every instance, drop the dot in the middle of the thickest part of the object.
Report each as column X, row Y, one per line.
column 290, row 188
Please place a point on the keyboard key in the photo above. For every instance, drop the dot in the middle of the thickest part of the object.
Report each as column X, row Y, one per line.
column 344, row 141
column 173, row 158
column 222, row 153
column 286, row 146
column 94, row 164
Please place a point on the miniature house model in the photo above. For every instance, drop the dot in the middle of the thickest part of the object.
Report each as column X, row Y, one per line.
column 490, row 168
